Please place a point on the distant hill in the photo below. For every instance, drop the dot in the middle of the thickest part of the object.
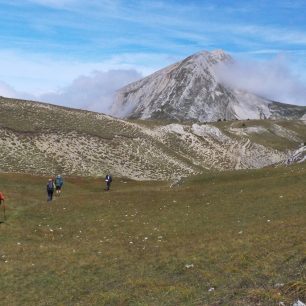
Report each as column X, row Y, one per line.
column 42, row 138
column 189, row 90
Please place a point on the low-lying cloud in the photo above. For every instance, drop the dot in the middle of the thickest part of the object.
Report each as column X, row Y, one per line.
column 272, row 79
column 9, row 91
column 94, row 92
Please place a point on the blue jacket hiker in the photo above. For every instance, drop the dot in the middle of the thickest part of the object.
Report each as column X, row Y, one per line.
column 59, row 184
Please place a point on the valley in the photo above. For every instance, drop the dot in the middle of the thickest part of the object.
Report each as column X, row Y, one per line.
column 230, row 238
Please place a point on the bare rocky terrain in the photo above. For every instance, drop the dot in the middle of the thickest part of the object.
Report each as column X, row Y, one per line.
column 40, row 138
column 192, row 89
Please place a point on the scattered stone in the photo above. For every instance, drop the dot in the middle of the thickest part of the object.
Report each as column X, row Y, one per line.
column 188, row 266
column 298, row 303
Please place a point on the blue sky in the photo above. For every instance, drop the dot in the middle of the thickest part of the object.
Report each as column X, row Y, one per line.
column 51, row 47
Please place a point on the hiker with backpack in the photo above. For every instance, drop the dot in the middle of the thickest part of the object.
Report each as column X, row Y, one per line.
column 58, row 184
column 50, row 189
column 108, row 181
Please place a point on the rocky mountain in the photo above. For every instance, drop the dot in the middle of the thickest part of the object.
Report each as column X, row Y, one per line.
column 40, row 138
column 190, row 90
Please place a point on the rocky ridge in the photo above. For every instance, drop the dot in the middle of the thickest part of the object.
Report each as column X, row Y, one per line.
column 41, row 138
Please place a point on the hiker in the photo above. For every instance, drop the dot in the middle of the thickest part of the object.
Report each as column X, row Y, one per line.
column 2, row 200
column 58, row 184
column 108, row 180
column 50, row 189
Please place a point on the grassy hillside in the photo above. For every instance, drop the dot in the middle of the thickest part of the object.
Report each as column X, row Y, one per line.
column 42, row 138
column 144, row 243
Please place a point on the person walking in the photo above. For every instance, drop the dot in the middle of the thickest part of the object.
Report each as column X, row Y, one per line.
column 108, row 181
column 50, row 189
column 59, row 184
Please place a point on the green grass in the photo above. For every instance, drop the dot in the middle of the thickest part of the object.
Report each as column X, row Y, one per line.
column 30, row 118
column 269, row 138
column 131, row 246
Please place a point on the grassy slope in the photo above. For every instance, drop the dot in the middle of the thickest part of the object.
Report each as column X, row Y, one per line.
column 108, row 144
column 34, row 117
column 37, row 137
column 131, row 246
column 270, row 138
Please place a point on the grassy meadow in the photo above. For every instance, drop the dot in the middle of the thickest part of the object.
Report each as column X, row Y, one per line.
column 231, row 238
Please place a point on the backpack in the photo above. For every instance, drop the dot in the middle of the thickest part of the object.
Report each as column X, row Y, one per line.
column 50, row 186
column 58, row 181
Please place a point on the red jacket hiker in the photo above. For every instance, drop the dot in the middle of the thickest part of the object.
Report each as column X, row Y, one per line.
column 1, row 197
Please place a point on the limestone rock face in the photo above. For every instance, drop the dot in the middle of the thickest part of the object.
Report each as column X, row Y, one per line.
column 190, row 90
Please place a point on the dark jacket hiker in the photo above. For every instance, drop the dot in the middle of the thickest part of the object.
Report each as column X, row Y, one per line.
column 108, row 180
column 50, row 189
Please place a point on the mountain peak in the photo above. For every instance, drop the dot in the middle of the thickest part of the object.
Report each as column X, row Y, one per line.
column 190, row 90
column 214, row 56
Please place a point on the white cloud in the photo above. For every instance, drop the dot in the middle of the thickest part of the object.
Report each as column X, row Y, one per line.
column 54, row 3
column 94, row 92
column 270, row 79
column 272, row 34
column 38, row 73
column 10, row 92
column 70, row 82
column 91, row 92
column 7, row 90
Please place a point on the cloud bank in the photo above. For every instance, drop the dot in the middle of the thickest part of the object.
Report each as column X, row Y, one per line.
column 9, row 91
column 272, row 79
column 94, row 92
